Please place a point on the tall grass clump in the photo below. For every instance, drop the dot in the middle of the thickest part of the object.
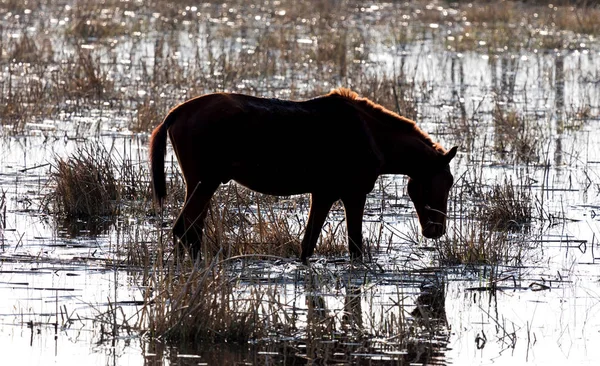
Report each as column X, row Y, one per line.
column 83, row 185
column 469, row 243
column 516, row 137
column 240, row 221
column 93, row 186
column 507, row 207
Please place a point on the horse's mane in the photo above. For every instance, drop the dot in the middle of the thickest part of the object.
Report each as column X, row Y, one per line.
column 410, row 125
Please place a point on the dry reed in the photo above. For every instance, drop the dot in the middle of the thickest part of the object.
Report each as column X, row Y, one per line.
column 84, row 185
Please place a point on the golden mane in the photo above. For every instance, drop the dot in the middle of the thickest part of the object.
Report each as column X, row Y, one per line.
column 378, row 108
column 346, row 93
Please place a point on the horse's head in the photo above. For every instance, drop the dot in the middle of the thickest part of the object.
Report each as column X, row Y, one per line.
column 429, row 193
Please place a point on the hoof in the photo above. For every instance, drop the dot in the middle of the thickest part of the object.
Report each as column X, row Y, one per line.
column 303, row 261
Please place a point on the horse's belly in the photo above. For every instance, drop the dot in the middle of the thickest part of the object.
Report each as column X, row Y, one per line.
column 275, row 183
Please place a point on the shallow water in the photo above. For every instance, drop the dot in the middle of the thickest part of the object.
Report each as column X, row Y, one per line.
column 72, row 299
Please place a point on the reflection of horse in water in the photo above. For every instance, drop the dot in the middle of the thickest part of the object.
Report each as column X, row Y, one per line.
column 333, row 147
column 353, row 317
column 431, row 303
column 430, row 316
column 354, row 329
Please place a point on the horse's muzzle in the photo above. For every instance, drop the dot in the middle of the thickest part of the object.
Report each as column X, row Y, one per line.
column 434, row 230
column 435, row 226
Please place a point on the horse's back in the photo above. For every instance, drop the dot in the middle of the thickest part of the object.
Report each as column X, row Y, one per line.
column 244, row 126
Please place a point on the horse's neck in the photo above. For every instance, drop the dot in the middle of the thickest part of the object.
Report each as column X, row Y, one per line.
column 405, row 148
column 409, row 154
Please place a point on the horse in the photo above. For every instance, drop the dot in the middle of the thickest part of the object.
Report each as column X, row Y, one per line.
column 333, row 146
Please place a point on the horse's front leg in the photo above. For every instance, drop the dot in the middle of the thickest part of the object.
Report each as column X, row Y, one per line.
column 354, row 206
column 319, row 208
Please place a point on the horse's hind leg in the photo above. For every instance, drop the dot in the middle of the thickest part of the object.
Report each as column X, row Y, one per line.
column 190, row 223
column 319, row 208
column 354, row 206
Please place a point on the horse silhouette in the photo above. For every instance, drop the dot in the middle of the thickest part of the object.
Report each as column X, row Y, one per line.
column 333, row 147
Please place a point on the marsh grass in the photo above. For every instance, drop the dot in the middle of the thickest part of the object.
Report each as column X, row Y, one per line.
column 33, row 91
column 498, row 13
column 25, row 50
column 87, row 79
column 91, row 188
column 2, row 218
column 470, row 244
column 577, row 117
column 299, row 54
column 148, row 116
column 260, row 54
column 490, row 27
column 517, row 137
column 192, row 305
column 241, row 222
column 497, row 27
column 507, row 207
column 580, row 18
column 83, row 186
column 490, row 225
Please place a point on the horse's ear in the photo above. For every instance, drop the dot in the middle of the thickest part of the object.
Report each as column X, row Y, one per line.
column 449, row 155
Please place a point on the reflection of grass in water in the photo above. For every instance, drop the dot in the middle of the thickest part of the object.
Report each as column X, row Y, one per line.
column 199, row 305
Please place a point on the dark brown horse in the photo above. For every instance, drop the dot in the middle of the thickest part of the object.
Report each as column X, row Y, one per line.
column 333, row 147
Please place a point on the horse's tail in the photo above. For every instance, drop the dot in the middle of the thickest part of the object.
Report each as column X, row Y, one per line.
column 158, row 149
